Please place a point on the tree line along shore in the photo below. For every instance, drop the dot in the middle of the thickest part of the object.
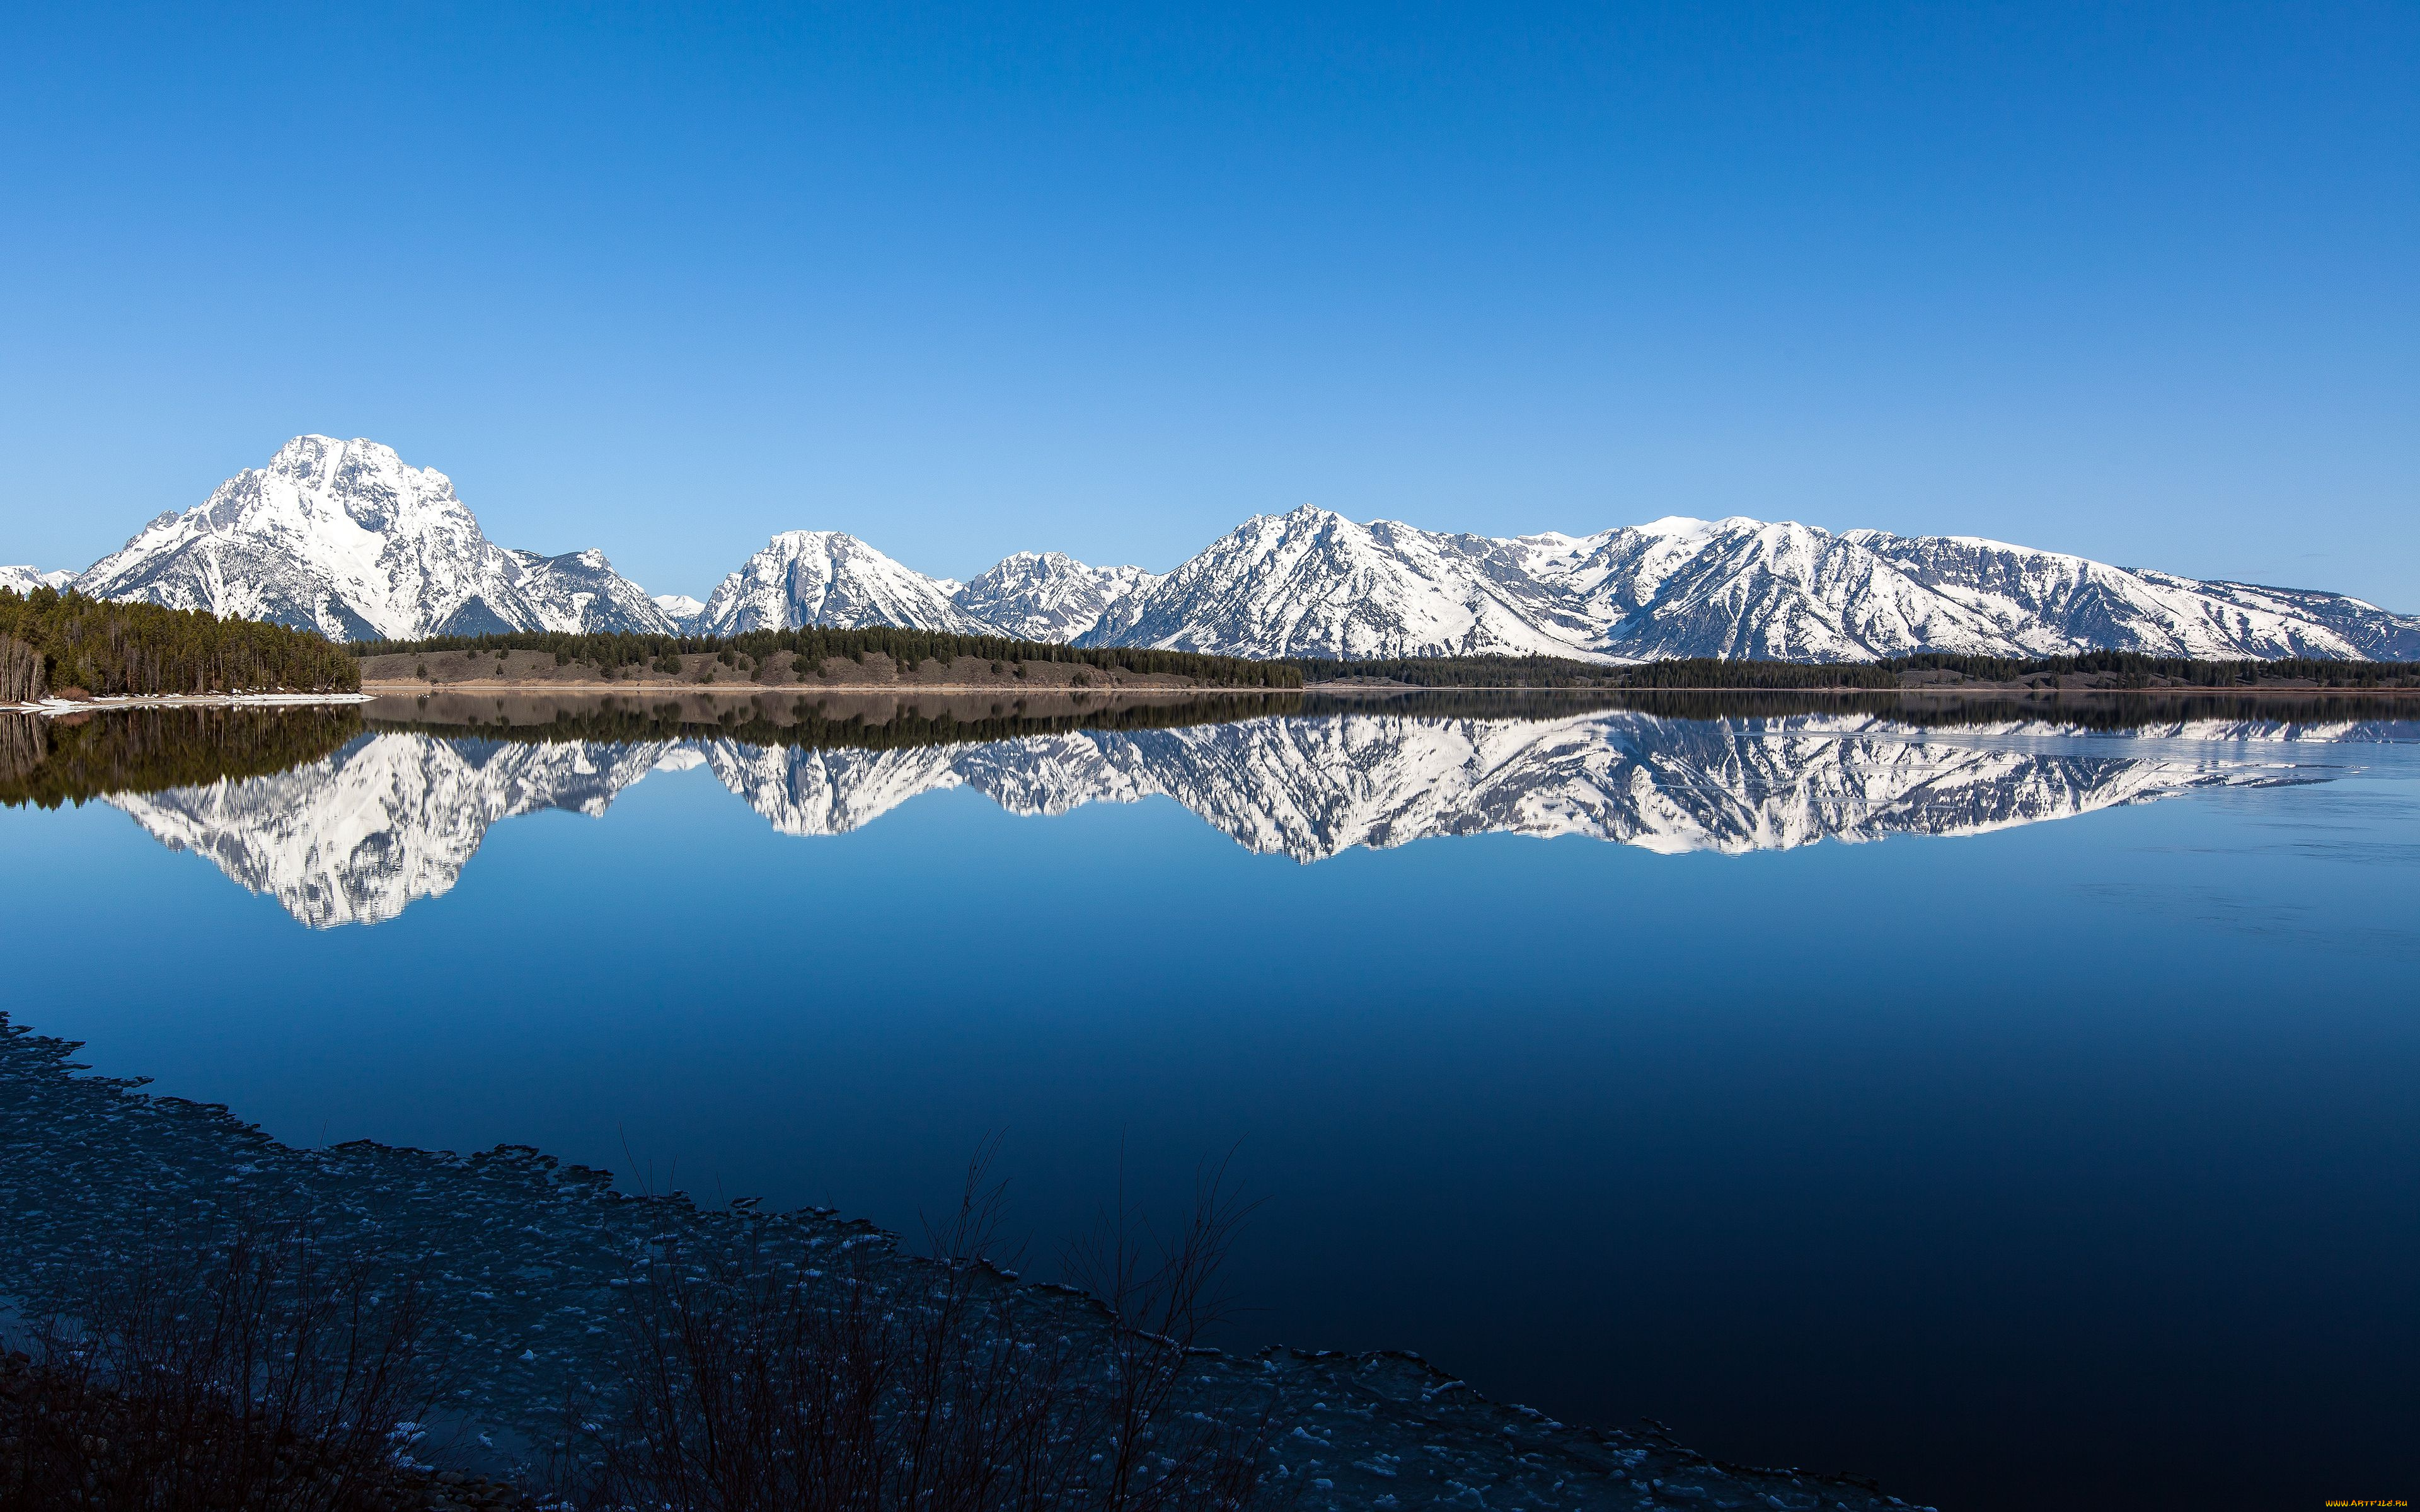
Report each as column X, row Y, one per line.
column 889, row 657
column 50, row 761
column 55, row 644
column 816, row 653
column 66, row 646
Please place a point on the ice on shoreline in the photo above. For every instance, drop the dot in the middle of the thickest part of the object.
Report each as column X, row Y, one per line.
column 55, row 706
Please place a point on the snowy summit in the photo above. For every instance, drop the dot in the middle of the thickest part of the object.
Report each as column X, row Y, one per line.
column 345, row 537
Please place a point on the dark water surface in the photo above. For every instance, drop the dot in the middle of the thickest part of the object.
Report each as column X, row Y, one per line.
column 2021, row 1115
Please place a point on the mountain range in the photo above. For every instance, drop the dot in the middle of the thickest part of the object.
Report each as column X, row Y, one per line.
column 396, row 816
column 26, row 580
column 345, row 537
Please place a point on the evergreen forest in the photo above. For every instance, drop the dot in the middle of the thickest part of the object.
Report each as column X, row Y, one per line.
column 51, row 642
column 751, row 722
column 816, row 645
column 2117, row 670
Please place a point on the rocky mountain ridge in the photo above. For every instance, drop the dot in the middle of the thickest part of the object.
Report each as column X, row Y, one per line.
column 825, row 578
column 346, row 538
column 26, row 580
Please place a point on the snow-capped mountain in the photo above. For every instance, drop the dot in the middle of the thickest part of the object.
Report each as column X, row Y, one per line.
column 579, row 591
column 2027, row 594
column 346, row 538
column 1050, row 596
column 680, row 609
column 1313, row 583
column 826, row 577
column 395, row 817
column 26, row 580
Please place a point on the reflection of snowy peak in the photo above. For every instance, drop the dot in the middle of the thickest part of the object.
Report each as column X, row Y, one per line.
column 345, row 538
column 393, row 817
column 801, row 790
column 1311, row 789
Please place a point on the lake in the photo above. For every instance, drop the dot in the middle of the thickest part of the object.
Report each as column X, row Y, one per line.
column 2012, row 1103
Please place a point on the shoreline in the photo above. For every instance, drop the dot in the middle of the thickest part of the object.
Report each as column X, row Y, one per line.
column 55, row 707
column 373, row 691
column 507, row 1211
column 496, row 686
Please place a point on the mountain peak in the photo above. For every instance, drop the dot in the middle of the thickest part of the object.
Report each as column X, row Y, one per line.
column 681, row 610
column 347, row 538
column 324, row 457
column 1050, row 596
column 1314, row 514
column 801, row 577
column 26, row 580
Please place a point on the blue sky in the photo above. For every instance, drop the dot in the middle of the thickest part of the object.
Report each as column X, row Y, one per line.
column 2139, row 282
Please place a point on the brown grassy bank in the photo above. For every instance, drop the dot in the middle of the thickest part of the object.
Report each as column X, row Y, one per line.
column 488, row 671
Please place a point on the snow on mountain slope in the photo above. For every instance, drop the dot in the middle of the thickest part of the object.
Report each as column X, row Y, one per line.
column 393, row 817
column 1312, row 583
column 342, row 536
column 2370, row 632
column 26, row 580
column 345, row 538
column 1050, row 596
column 579, row 592
column 680, row 609
column 1745, row 588
column 804, row 577
column 2056, row 601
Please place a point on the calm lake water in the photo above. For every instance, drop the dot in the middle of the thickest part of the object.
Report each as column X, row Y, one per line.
column 2019, row 1112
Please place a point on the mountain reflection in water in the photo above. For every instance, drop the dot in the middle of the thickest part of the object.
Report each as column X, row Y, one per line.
column 356, row 833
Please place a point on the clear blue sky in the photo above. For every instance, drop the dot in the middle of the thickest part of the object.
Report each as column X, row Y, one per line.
column 2141, row 281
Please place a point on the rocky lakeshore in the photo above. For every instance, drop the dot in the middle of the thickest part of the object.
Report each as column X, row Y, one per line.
column 528, row 1263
